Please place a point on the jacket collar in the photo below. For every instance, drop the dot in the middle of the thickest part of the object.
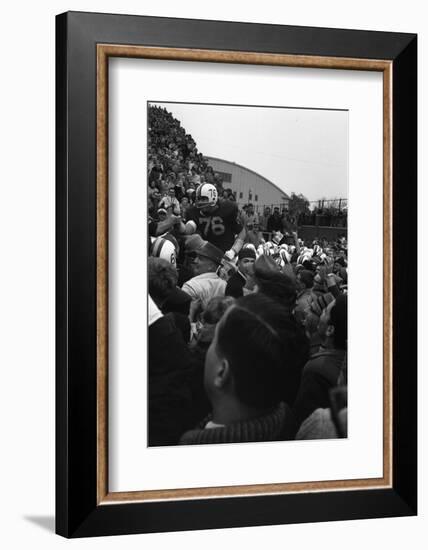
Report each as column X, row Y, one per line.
column 209, row 275
column 326, row 352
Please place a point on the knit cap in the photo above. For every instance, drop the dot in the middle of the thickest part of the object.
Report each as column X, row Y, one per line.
column 247, row 252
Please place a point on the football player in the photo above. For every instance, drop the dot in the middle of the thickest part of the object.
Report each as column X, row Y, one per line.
column 215, row 220
column 165, row 247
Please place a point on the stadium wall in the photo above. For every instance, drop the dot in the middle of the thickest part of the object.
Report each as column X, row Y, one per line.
column 249, row 186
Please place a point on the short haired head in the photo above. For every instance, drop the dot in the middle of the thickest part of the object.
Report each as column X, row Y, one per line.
column 252, row 350
column 162, row 279
column 306, row 278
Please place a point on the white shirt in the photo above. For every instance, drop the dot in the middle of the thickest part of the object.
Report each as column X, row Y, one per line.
column 168, row 201
column 154, row 312
column 204, row 287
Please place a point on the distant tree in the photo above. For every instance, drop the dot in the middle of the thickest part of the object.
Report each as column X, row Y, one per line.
column 298, row 204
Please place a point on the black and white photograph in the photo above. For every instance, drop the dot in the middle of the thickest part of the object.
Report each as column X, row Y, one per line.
column 189, row 191
column 247, row 273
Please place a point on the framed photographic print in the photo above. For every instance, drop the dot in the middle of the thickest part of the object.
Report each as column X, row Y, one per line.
column 223, row 191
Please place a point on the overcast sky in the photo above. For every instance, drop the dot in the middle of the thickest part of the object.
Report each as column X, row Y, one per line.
column 300, row 150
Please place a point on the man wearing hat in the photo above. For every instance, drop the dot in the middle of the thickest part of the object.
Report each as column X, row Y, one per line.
column 206, row 283
column 238, row 280
column 186, row 270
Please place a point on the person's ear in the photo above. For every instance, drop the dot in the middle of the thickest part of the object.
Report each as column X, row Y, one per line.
column 223, row 374
column 329, row 331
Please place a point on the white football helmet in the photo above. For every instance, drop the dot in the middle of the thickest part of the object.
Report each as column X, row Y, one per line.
column 206, row 195
column 164, row 248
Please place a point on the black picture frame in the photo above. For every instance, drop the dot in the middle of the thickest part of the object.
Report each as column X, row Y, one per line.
column 78, row 512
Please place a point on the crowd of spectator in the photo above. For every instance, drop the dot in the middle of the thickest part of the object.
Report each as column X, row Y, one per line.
column 175, row 167
column 256, row 343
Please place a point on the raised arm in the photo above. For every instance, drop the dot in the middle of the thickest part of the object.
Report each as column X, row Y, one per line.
column 187, row 228
column 237, row 245
column 165, row 225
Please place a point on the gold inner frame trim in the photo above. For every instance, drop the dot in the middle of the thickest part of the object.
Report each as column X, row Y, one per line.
column 104, row 51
